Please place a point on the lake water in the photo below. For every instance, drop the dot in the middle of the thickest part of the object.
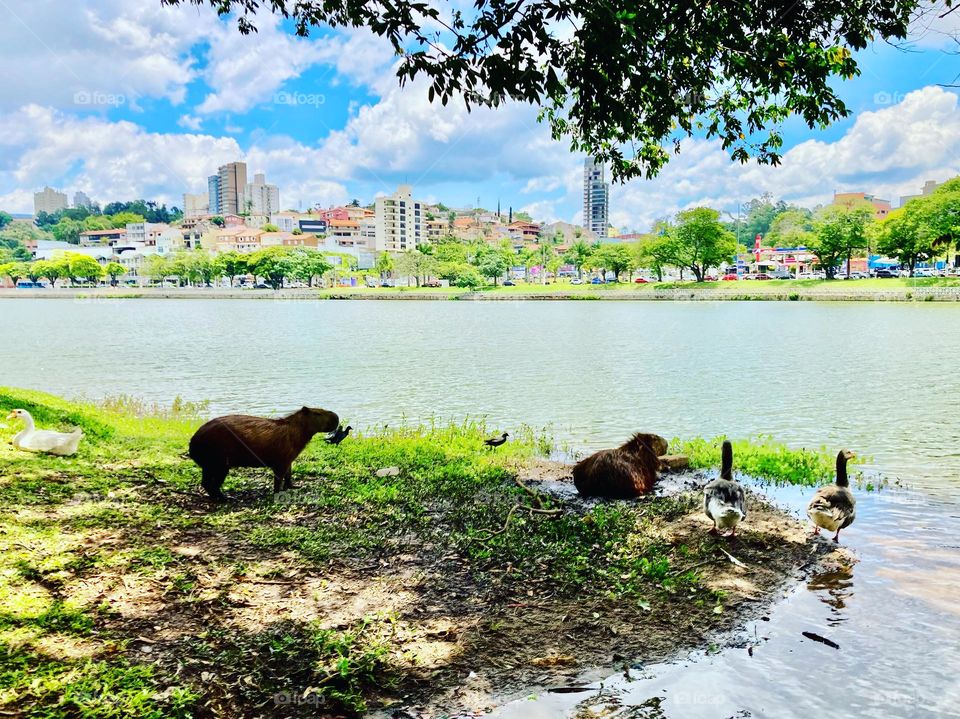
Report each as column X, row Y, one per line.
column 879, row 378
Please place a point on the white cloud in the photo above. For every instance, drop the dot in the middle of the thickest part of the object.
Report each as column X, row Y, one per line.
column 190, row 122
column 55, row 53
column 245, row 70
column 122, row 161
column 888, row 152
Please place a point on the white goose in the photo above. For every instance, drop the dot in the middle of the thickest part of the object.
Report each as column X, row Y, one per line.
column 32, row 439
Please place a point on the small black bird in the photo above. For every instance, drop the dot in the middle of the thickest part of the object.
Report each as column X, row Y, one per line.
column 339, row 435
column 496, row 441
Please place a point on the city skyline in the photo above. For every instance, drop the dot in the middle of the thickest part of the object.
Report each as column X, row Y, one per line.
column 326, row 122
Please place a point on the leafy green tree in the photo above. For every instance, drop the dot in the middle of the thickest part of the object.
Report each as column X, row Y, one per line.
column 942, row 214
column 15, row 270
column 97, row 222
column 416, row 264
column 614, row 257
column 218, row 221
column 5, row 219
column 468, row 277
column 270, row 227
column 492, row 264
column 122, row 219
column 701, row 240
column 296, row 231
column 623, row 82
column 231, row 265
column 907, row 235
column 82, row 267
column 791, row 228
column 204, row 268
column 839, row 231
column 67, row 230
column 761, row 213
column 46, row 220
column 19, row 234
column 577, row 255
column 180, row 264
column 273, row 264
column 308, row 264
column 51, row 270
column 114, row 270
column 383, row 265
column 157, row 267
column 13, row 250
column 657, row 253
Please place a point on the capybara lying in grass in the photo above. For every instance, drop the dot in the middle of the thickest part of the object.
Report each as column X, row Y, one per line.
column 239, row 440
column 627, row 471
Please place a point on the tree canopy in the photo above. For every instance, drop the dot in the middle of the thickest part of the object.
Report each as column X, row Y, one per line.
column 620, row 81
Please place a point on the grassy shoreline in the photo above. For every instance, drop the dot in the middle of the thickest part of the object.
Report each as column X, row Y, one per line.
column 895, row 290
column 123, row 592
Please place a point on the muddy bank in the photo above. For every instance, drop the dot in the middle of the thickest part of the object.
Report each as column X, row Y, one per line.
column 456, row 579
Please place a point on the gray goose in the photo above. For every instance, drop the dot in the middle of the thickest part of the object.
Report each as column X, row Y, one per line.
column 834, row 507
column 724, row 501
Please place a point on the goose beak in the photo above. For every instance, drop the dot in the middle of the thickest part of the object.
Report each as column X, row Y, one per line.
column 12, row 415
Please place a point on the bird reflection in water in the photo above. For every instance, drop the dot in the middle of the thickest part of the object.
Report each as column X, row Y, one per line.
column 833, row 588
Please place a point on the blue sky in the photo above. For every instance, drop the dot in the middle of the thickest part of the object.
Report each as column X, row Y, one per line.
column 125, row 100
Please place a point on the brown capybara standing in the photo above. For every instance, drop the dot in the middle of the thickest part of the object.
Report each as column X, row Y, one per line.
column 627, row 471
column 239, row 440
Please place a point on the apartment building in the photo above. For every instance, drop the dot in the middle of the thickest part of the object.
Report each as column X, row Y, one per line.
column 197, row 205
column 596, row 198
column 399, row 221
column 146, row 233
column 881, row 208
column 49, row 200
column 261, row 198
column 237, row 239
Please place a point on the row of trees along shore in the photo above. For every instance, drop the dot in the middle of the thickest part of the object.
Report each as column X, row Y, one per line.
column 695, row 241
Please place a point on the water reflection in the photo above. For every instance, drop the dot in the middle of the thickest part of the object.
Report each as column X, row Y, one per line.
column 834, row 589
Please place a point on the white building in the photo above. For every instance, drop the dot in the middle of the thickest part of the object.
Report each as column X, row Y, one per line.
column 596, row 198
column 399, row 221
column 49, row 200
column 261, row 198
column 196, row 205
column 146, row 233
column 285, row 221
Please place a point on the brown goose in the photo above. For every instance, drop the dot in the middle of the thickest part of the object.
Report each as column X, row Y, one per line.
column 833, row 507
column 724, row 501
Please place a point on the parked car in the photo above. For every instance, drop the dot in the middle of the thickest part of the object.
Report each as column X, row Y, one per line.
column 762, row 276
column 576, row 281
column 642, row 281
column 782, row 275
column 386, row 283
column 887, row 274
column 261, row 286
column 596, row 281
column 433, row 283
column 731, row 277
column 509, row 283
